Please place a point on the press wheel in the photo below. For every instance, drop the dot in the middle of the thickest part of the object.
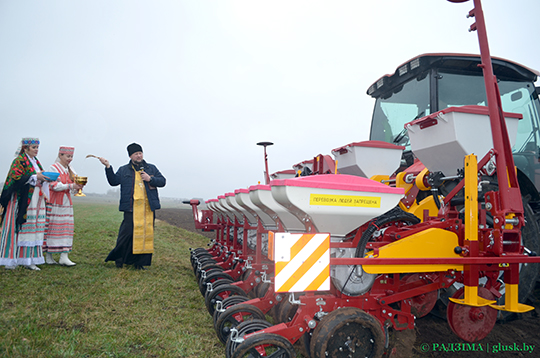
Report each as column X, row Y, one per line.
column 219, row 294
column 265, row 345
column 212, row 277
column 201, row 260
column 347, row 332
column 468, row 322
column 285, row 311
column 195, row 254
column 233, row 316
column 261, row 289
column 226, row 303
column 243, row 329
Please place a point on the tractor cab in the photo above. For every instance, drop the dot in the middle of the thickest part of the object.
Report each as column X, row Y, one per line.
column 432, row 82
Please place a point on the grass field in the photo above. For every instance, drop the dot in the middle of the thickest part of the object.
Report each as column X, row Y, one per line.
column 96, row 310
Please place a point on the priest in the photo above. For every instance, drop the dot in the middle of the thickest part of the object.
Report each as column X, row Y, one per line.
column 139, row 200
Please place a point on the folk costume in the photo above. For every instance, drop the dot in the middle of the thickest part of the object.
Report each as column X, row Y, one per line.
column 59, row 235
column 24, row 212
column 138, row 200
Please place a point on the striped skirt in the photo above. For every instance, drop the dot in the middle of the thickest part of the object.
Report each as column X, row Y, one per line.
column 24, row 247
column 59, row 235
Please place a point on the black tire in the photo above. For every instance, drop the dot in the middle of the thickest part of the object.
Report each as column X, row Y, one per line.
column 273, row 345
column 261, row 289
column 197, row 258
column 219, row 294
column 206, row 267
column 348, row 332
column 243, row 329
column 212, row 276
column 286, row 311
column 201, row 262
column 226, row 303
column 528, row 273
column 233, row 316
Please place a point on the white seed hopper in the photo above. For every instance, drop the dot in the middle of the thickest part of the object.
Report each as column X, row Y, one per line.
column 242, row 198
column 213, row 204
column 261, row 196
column 443, row 139
column 209, row 203
column 225, row 208
column 368, row 158
column 336, row 204
column 233, row 203
column 235, row 208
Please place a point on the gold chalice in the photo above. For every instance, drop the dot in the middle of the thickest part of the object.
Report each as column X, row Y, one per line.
column 81, row 181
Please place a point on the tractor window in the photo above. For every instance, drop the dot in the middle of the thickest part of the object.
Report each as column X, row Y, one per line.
column 516, row 96
column 460, row 90
column 401, row 106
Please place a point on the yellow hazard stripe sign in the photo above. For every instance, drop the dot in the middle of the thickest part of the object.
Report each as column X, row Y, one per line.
column 302, row 261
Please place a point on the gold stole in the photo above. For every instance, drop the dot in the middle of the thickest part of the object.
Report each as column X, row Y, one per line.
column 143, row 219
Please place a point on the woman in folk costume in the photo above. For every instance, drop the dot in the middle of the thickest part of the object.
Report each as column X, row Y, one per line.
column 59, row 235
column 24, row 213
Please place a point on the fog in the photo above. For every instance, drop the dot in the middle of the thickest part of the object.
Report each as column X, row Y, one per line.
column 199, row 83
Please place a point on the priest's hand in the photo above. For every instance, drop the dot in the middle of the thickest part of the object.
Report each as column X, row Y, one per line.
column 104, row 161
column 145, row 176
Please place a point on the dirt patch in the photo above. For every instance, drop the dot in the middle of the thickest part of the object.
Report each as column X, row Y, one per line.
column 514, row 338
column 432, row 336
column 182, row 218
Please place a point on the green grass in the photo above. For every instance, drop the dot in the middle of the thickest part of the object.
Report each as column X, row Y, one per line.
column 96, row 310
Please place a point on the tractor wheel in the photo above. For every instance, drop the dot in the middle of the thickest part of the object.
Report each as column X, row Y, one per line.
column 348, row 332
column 265, row 345
column 528, row 273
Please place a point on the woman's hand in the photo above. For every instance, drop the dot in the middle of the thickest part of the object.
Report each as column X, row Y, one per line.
column 41, row 177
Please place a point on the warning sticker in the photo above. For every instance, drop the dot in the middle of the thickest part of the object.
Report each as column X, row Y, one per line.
column 345, row 200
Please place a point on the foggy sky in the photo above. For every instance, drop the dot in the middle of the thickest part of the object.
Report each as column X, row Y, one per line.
column 199, row 83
